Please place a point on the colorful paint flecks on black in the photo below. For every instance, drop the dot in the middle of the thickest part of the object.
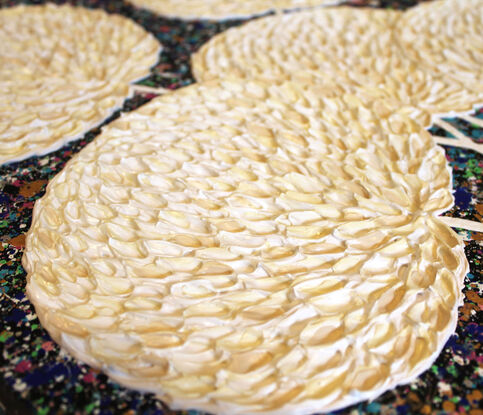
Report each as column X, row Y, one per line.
column 37, row 378
column 467, row 128
column 467, row 166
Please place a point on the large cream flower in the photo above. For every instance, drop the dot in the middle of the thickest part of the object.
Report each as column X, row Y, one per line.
column 445, row 36
column 63, row 70
column 243, row 248
column 358, row 48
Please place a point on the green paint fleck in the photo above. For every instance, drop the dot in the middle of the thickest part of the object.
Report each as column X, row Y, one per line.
column 89, row 408
column 452, row 370
column 43, row 411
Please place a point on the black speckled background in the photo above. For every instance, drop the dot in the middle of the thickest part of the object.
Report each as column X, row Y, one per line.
column 37, row 378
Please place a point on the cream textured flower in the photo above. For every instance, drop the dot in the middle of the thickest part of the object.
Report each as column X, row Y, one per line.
column 354, row 47
column 446, row 36
column 243, row 248
column 224, row 9
column 63, row 70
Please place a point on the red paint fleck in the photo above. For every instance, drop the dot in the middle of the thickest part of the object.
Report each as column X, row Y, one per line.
column 48, row 346
column 23, row 366
column 89, row 377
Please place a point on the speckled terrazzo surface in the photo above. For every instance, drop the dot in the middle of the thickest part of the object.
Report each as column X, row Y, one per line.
column 36, row 378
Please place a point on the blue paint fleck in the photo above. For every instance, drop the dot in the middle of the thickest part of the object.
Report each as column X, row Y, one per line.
column 15, row 316
column 462, row 198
